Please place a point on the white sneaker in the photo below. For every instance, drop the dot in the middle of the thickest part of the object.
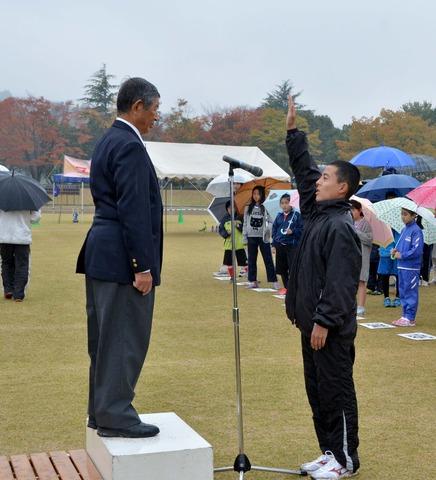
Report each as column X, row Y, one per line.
column 321, row 461
column 333, row 470
column 424, row 283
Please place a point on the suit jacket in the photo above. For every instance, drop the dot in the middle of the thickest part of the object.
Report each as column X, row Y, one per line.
column 126, row 236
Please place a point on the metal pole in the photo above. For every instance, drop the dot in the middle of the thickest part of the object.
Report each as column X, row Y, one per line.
column 166, row 209
column 82, row 198
column 171, row 195
column 242, row 463
column 236, row 320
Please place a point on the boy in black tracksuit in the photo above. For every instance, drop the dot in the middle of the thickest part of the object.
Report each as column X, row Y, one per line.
column 321, row 301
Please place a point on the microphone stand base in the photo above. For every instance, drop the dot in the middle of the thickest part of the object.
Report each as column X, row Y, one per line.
column 242, row 465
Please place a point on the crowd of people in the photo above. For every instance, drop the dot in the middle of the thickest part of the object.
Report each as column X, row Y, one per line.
column 407, row 261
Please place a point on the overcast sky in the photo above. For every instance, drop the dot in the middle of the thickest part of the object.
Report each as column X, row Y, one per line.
column 350, row 58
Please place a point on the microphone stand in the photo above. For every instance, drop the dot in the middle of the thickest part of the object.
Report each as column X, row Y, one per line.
column 242, row 463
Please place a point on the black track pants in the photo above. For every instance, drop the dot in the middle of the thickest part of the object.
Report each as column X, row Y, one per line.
column 15, row 268
column 330, row 389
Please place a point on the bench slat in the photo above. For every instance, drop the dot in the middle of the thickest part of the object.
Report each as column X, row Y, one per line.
column 64, row 466
column 22, row 468
column 43, row 467
column 5, row 469
column 84, row 464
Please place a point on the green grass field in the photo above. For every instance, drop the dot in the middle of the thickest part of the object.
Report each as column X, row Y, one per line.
column 190, row 366
column 172, row 198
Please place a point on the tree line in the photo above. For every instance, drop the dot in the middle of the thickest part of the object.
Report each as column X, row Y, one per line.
column 35, row 133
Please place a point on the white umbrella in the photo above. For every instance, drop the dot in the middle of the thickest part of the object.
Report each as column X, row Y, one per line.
column 220, row 186
column 389, row 211
column 3, row 169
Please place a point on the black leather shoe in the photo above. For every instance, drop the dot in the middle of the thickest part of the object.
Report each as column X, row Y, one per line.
column 92, row 424
column 140, row 430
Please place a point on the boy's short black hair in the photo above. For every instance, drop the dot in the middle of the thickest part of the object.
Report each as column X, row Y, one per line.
column 228, row 203
column 349, row 174
column 285, row 195
column 135, row 89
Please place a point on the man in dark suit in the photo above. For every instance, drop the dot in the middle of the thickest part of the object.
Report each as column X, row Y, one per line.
column 122, row 259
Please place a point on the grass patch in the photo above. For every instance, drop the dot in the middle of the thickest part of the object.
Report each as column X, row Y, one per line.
column 190, row 369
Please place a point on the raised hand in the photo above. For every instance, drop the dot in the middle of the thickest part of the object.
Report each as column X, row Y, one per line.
column 291, row 118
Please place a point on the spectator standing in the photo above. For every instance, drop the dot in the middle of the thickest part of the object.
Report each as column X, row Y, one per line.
column 15, row 241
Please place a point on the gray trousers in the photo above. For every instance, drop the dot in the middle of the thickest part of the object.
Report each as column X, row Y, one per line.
column 119, row 328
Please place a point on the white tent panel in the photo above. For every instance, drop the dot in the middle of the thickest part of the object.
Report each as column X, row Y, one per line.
column 195, row 161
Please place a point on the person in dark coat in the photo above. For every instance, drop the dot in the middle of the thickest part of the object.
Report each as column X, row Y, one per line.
column 122, row 260
column 321, row 301
column 286, row 232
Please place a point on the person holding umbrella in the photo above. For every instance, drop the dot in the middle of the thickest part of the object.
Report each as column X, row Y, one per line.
column 408, row 252
column 21, row 198
column 15, row 241
column 256, row 232
column 364, row 231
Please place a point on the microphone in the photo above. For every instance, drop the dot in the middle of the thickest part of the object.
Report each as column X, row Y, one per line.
column 256, row 171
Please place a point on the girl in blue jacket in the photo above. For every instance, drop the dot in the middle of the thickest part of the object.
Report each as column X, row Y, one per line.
column 408, row 252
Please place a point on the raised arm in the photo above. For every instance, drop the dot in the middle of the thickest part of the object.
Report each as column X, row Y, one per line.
column 300, row 161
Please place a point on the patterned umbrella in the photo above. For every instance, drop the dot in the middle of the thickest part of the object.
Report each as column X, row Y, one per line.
column 243, row 195
column 390, row 212
column 425, row 194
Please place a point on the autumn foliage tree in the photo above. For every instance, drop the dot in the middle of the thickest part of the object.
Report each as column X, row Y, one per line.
column 34, row 134
column 397, row 129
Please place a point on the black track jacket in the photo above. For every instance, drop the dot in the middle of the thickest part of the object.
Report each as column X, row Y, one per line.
column 325, row 275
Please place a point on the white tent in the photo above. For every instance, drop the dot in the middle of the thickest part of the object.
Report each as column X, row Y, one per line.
column 197, row 161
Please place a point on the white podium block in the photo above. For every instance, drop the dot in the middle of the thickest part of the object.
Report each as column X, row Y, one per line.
column 177, row 453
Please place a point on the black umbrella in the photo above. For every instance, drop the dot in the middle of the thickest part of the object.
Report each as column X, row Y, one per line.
column 18, row 192
column 217, row 208
column 424, row 164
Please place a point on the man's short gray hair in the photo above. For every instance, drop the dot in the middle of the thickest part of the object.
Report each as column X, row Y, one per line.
column 135, row 89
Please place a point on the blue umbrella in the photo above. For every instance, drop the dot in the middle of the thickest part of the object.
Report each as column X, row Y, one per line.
column 376, row 189
column 384, row 157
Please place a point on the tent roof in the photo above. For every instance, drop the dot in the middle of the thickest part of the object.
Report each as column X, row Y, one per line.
column 195, row 161
column 75, row 167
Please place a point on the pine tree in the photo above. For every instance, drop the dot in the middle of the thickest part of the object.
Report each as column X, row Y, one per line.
column 278, row 98
column 99, row 92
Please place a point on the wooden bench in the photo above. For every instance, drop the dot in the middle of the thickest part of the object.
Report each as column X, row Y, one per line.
column 72, row 465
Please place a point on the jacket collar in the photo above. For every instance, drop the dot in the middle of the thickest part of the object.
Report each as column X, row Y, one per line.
column 338, row 205
column 124, row 126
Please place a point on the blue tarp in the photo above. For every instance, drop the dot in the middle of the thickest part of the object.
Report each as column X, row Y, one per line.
column 60, row 178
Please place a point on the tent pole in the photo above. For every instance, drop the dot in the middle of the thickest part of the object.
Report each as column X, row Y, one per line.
column 166, row 209
column 82, row 197
column 171, row 196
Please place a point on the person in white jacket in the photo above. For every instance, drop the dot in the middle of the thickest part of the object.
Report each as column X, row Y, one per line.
column 15, row 240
